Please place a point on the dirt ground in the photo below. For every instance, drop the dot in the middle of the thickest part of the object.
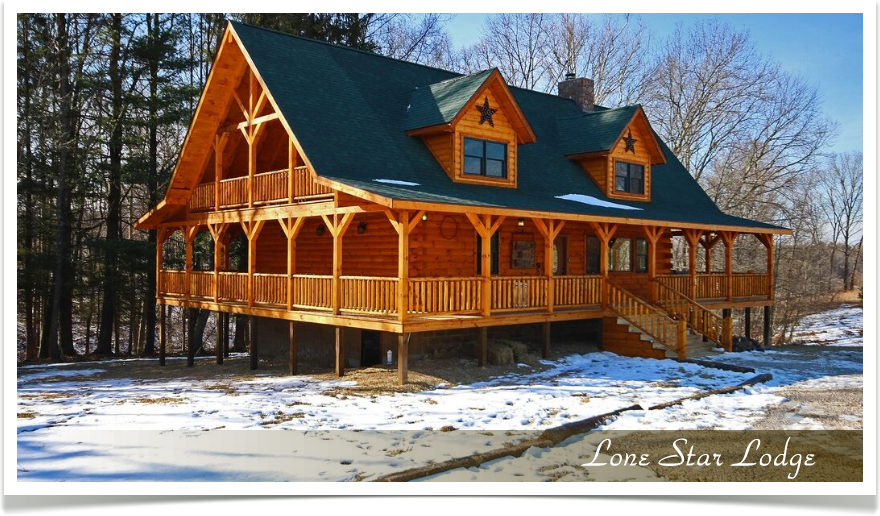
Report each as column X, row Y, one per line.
column 832, row 409
column 424, row 374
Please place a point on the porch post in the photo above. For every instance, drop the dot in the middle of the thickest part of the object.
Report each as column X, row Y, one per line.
column 252, row 232
column 252, row 148
column 403, row 269
column 217, row 233
column 291, row 227
column 219, row 144
column 549, row 230
column 402, row 358
column 693, row 238
column 728, row 237
column 604, row 231
column 291, row 165
column 337, row 228
column 189, row 235
column 486, row 266
column 653, row 233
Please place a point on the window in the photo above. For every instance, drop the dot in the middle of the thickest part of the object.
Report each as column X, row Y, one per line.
column 485, row 158
column 594, row 248
column 620, row 255
column 641, row 264
column 495, row 254
column 629, row 178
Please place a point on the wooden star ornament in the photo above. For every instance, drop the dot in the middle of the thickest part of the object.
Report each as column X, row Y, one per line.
column 630, row 143
column 486, row 113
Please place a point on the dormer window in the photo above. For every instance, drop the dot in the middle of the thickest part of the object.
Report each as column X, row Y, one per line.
column 629, row 178
column 485, row 158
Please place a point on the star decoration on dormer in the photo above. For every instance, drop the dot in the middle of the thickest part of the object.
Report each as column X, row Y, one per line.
column 486, row 113
column 630, row 143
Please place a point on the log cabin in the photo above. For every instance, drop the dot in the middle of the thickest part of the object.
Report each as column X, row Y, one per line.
column 389, row 205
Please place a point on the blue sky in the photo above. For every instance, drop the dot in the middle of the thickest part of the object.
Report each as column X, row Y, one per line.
column 825, row 49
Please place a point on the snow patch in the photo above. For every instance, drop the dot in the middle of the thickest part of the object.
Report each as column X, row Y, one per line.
column 593, row 201
column 396, row 182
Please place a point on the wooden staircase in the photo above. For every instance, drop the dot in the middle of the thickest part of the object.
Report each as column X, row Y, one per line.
column 674, row 327
column 700, row 320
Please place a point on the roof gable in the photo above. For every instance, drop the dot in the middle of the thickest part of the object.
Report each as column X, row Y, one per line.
column 600, row 131
column 440, row 106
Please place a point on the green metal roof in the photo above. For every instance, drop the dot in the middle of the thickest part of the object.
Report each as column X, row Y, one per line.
column 348, row 110
column 439, row 103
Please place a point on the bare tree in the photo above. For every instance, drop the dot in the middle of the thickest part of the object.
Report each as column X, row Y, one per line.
column 611, row 50
column 416, row 38
column 706, row 86
column 517, row 44
column 842, row 183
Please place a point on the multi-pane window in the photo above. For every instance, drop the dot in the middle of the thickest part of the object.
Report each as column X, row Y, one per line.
column 629, row 177
column 641, row 258
column 624, row 255
column 594, row 249
column 485, row 158
column 620, row 255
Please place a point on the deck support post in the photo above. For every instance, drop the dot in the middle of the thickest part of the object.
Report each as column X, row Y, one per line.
column 402, row 358
column 604, row 231
column 219, row 351
column 252, row 330
column 340, row 353
column 545, row 347
column 653, row 233
column 768, row 326
column 727, row 329
column 483, row 347
column 226, row 335
column 485, row 229
column 162, row 335
column 291, row 346
column 748, row 322
column 190, row 340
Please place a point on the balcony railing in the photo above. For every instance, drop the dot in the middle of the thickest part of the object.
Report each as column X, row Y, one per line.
column 445, row 295
column 268, row 188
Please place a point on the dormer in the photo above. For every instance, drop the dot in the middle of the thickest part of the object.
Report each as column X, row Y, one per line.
column 473, row 127
column 615, row 147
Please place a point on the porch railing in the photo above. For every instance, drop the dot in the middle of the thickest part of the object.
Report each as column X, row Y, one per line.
column 233, row 286
column 312, row 291
column 711, row 286
column 444, row 295
column 715, row 286
column 577, row 290
column 369, row 294
column 269, row 188
column 233, row 192
column 751, row 285
column 518, row 292
column 270, row 289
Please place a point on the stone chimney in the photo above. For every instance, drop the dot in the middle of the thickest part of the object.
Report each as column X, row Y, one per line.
column 580, row 90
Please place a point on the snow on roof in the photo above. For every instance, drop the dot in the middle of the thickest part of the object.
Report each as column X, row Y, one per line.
column 396, row 182
column 587, row 199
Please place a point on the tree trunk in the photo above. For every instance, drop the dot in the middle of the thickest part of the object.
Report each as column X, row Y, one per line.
column 114, row 195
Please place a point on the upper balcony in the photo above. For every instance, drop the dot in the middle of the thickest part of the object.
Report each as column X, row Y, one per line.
column 276, row 187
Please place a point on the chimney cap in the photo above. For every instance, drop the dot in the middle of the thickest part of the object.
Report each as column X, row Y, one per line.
column 569, row 76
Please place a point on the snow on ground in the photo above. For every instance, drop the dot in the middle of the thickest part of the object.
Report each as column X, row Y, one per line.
column 63, row 424
column 184, row 429
column 841, row 327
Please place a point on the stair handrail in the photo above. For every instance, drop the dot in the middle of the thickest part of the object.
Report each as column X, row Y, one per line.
column 651, row 320
column 698, row 317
